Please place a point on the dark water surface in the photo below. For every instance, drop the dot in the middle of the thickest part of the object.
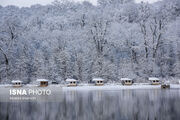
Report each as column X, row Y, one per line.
column 99, row 105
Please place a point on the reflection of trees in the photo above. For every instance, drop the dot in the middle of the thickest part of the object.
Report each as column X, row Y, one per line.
column 99, row 105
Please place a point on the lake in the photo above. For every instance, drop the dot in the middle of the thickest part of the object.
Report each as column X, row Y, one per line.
column 149, row 104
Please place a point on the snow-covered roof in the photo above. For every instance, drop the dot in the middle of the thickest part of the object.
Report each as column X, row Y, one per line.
column 125, row 79
column 69, row 80
column 97, row 79
column 16, row 81
column 42, row 80
column 153, row 78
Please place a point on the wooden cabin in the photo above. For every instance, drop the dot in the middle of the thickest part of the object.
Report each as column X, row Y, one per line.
column 126, row 81
column 16, row 83
column 42, row 82
column 98, row 81
column 71, row 82
column 154, row 81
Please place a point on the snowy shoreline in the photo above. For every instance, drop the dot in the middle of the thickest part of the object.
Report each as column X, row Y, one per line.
column 119, row 87
column 92, row 87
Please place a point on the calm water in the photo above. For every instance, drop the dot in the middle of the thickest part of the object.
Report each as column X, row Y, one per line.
column 99, row 105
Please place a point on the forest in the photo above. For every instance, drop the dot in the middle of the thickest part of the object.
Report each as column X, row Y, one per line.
column 113, row 39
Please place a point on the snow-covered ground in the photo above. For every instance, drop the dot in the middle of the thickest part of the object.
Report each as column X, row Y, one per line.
column 175, row 86
column 104, row 87
column 111, row 87
column 58, row 90
column 118, row 87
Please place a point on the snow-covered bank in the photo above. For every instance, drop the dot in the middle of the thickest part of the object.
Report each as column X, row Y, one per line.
column 174, row 86
column 104, row 87
column 111, row 87
column 118, row 87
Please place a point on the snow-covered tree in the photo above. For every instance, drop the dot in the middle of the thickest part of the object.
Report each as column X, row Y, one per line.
column 116, row 38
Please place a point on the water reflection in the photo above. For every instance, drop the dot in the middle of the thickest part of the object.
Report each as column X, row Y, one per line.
column 99, row 105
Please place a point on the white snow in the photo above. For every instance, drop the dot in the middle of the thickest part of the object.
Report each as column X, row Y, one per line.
column 174, row 86
column 5, row 85
column 153, row 78
column 69, row 80
column 111, row 87
column 40, row 80
column 88, row 87
column 98, row 79
column 16, row 81
column 117, row 86
column 122, row 79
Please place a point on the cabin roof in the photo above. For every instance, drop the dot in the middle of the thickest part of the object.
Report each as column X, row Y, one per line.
column 97, row 79
column 153, row 78
column 40, row 80
column 16, row 81
column 69, row 80
column 125, row 79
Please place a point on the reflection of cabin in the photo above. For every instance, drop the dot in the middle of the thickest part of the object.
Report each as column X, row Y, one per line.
column 16, row 83
column 154, row 81
column 71, row 82
column 98, row 81
column 42, row 82
column 126, row 81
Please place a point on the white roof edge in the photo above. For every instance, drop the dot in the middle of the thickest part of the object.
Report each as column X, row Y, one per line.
column 126, row 79
column 153, row 78
column 14, row 81
column 96, row 79
column 67, row 80
column 39, row 80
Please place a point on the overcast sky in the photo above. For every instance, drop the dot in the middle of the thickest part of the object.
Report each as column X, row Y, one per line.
column 27, row 3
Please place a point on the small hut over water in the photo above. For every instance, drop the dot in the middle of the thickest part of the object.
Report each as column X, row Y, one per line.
column 154, row 80
column 71, row 82
column 126, row 81
column 165, row 84
column 42, row 82
column 98, row 81
column 16, row 83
